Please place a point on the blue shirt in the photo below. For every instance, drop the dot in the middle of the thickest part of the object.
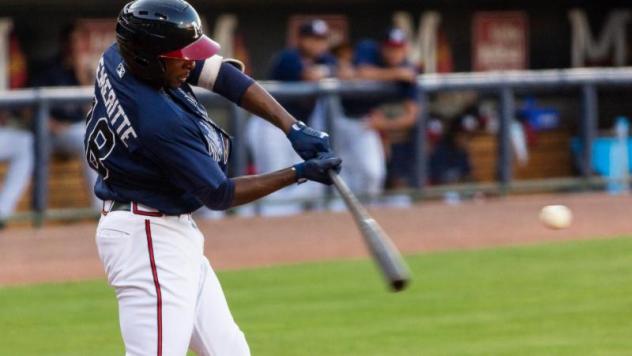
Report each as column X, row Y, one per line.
column 59, row 75
column 288, row 66
column 155, row 147
column 368, row 53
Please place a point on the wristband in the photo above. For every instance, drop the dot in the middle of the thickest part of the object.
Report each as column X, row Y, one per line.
column 299, row 170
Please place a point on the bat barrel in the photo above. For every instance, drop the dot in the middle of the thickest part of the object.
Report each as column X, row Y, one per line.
column 380, row 245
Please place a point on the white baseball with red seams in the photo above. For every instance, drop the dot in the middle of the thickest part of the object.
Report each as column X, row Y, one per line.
column 169, row 296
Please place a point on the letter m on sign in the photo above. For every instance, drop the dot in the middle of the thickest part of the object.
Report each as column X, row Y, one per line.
column 610, row 42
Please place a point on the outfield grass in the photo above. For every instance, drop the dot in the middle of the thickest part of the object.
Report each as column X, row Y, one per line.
column 556, row 299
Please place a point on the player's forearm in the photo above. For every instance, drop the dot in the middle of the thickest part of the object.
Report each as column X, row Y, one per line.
column 259, row 102
column 373, row 73
column 251, row 188
column 407, row 119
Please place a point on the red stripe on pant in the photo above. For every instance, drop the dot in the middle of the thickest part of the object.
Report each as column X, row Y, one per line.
column 154, row 272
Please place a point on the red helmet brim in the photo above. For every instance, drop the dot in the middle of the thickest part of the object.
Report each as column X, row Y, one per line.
column 202, row 48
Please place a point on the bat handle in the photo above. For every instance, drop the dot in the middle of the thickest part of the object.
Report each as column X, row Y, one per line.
column 345, row 192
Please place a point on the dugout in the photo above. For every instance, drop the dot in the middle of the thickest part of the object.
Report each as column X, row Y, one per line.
column 37, row 24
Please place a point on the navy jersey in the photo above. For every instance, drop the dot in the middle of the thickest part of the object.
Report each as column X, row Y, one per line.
column 58, row 74
column 368, row 53
column 155, row 147
column 288, row 66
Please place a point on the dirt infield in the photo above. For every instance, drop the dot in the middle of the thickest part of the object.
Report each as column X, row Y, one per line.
column 68, row 253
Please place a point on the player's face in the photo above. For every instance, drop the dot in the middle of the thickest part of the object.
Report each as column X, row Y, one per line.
column 394, row 55
column 177, row 71
column 313, row 46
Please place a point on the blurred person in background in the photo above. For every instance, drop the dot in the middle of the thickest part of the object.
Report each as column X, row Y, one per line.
column 310, row 60
column 343, row 53
column 449, row 160
column 363, row 120
column 67, row 122
column 16, row 141
column 16, row 148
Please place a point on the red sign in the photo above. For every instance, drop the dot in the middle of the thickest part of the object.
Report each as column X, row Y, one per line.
column 500, row 40
column 90, row 39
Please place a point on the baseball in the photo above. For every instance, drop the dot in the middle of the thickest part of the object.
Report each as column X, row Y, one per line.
column 556, row 216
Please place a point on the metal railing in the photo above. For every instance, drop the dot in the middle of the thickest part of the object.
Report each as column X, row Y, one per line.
column 502, row 84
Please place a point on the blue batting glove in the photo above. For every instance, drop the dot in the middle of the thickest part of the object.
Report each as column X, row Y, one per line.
column 316, row 169
column 307, row 142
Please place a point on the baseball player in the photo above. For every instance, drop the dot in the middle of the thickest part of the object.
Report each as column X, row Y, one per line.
column 66, row 123
column 308, row 61
column 363, row 119
column 159, row 158
column 16, row 148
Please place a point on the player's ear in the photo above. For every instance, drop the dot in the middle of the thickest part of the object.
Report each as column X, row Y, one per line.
column 235, row 63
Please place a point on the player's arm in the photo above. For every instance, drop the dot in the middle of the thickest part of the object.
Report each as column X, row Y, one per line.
column 404, row 121
column 226, row 78
column 179, row 151
column 370, row 72
column 251, row 188
column 229, row 81
column 258, row 101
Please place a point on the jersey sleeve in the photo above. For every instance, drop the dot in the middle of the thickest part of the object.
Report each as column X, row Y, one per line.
column 366, row 53
column 222, row 76
column 186, row 159
column 231, row 82
column 287, row 67
column 327, row 59
column 410, row 91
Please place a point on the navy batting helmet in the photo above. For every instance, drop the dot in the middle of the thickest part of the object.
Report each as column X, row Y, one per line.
column 148, row 30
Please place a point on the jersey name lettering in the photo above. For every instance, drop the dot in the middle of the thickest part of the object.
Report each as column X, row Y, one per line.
column 117, row 117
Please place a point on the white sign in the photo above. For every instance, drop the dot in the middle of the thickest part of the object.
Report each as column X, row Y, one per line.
column 5, row 30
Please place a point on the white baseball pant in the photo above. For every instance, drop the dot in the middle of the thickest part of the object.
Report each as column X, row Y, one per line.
column 271, row 151
column 16, row 147
column 169, row 298
column 360, row 148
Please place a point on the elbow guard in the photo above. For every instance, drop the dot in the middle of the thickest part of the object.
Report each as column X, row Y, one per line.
column 231, row 83
column 225, row 77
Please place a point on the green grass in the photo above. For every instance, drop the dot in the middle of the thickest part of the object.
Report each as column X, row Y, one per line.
column 555, row 299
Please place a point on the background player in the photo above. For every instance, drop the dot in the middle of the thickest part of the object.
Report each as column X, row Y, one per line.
column 310, row 60
column 362, row 120
column 16, row 148
column 160, row 157
column 67, row 123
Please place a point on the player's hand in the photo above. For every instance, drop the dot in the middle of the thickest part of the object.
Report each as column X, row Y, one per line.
column 405, row 74
column 316, row 169
column 56, row 127
column 307, row 142
column 377, row 121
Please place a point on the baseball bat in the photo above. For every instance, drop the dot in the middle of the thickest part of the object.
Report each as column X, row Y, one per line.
column 382, row 249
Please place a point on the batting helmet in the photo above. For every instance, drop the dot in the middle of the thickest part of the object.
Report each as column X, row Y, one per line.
column 148, row 30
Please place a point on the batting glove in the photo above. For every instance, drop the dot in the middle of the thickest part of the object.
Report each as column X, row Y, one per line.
column 307, row 142
column 316, row 169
